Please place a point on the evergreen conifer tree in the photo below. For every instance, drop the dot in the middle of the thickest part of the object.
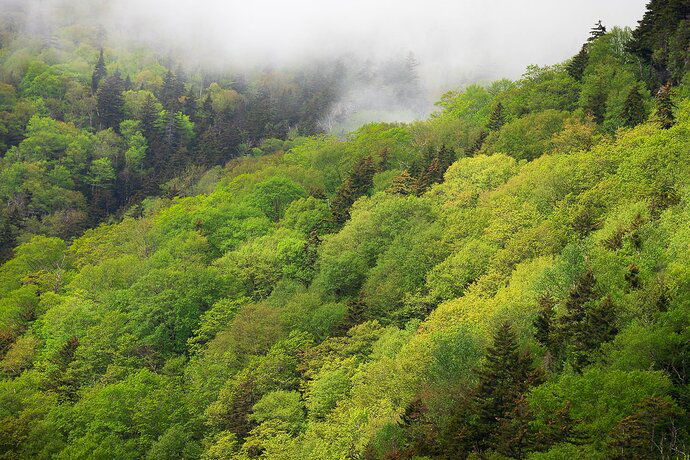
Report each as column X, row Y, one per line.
column 596, row 106
column 447, row 157
column 109, row 102
column 544, row 322
column 599, row 30
column 504, row 379
column 355, row 313
column 383, row 163
column 568, row 329
column 586, row 324
column 429, row 176
column 477, row 144
column 360, row 180
column 189, row 107
column 600, row 324
column 435, row 164
column 665, row 107
column 497, row 118
column 634, row 112
column 577, row 65
column 649, row 432
column 98, row 72
column 172, row 91
column 660, row 41
column 147, row 120
column 403, row 184
column 362, row 175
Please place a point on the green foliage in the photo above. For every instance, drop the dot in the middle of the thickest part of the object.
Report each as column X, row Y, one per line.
column 358, row 183
column 526, row 138
column 665, row 107
column 634, row 111
column 541, row 88
column 274, row 195
column 599, row 398
column 577, row 65
column 508, row 279
column 497, row 118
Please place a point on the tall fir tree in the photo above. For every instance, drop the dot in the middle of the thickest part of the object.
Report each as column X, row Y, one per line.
column 384, row 160
column 634, row 110
column 544, row 322
column 477, row 144
column 171, row 92
column 595, row 105
column 569, row 327
column 128, row 86
column 497, row 118
column 99, row 72
column 109, row 102
column 599, row 30
column 665, row 106
column 433, row 167
column 403, row 184
column 147, row 120
column 358, row 183
column 505, row 377
column 653, row 431
column 189, row 107
column 600, row 324
column 355, row 313
column 578, row 64
column 585, row 324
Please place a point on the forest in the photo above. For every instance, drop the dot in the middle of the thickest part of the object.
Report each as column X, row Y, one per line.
column 193, row 267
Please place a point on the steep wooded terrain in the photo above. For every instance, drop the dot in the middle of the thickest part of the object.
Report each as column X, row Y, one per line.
column 507, row 279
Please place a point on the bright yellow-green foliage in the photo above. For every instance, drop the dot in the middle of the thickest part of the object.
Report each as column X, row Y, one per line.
column 484, row 246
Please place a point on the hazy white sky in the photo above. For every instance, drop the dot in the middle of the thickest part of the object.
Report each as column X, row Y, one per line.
column 454, row 40
column 496, row 37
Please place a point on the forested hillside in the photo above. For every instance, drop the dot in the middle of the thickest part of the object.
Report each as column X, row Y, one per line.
column 87, row 130
column 508, row 279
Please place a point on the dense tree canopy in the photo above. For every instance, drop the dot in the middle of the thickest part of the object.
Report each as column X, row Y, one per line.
column 192, row 271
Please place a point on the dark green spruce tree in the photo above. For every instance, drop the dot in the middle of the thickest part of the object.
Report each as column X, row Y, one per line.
column 544, row 322
column 634, row 111
column 596, row 106
column 434, row 165
column 477, row 144
column 189, row 106
column 599, row 30
column 109, row 102
column 172, row 92
column 497, row 118
column 98, row 72
column 586, row 323
column 577, row 65
column 147, row 120
column 506, row 376
column 358, row 183
column 661, row 40
column 665, row 106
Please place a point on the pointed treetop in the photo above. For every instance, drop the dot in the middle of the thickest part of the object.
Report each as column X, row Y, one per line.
column 597, row 31
column 665, row 107
column 497, row 118
column 98, row 72
column 634, row 110
column 403, row 184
